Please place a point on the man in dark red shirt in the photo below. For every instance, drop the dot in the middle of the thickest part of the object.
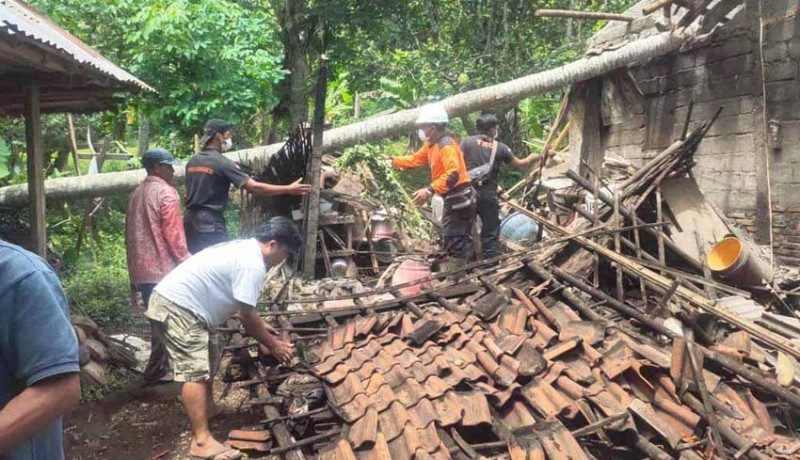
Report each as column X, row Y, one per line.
column 155, row 240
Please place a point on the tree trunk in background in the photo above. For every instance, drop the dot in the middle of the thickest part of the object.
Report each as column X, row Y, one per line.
column 62, row 159
column 291, row 15
column 144, row 134
column 398, row 123
column 490, row 32
column 120, row 127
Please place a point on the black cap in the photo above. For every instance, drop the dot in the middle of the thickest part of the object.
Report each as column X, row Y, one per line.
column 212, row 127
column 155, row 157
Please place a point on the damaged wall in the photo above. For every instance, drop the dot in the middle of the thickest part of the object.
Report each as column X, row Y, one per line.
column 642, row 118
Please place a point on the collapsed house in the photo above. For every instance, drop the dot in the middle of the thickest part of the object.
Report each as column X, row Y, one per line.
column 609, row 338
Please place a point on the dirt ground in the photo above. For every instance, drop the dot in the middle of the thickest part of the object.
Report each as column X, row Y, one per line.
column 138, row 423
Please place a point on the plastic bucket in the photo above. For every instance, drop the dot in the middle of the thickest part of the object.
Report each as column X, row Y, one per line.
column 385, row 250
column 735, row 262
column 411, row 270
column 518, row 227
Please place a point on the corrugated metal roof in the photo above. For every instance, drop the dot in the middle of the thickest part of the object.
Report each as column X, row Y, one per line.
column 18, row 18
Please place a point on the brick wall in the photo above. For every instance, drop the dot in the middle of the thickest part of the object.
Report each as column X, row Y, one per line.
column 725, row 71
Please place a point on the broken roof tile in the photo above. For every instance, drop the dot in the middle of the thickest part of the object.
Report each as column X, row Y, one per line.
column 544, row 334
column 515, row 415
column 492, row 347
column 531, row 361
column 393, row 420
column 669, row 431
column 451, row 333
column 511, row 343
column 380, row 451
column 340, row 450
column 578, row 369
column 520, row 450
column 423, row 330
column 448, row 409
column 617, row 359
column 364, row 325
column 563, row 314
column 489, row 306
column 544, row 398
column 561, row 348
column 651, row 353
column 590, row 332
column 512, row 319
column 342, row 335
column 364, row 430
column 496, row 396
column 558, row 442
column 476, row 409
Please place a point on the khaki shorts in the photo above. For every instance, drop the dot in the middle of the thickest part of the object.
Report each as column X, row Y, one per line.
column 192, row 350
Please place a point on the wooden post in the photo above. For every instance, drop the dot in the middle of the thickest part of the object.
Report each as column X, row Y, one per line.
column 585, row 141
column 312, row 211
column 35, row 151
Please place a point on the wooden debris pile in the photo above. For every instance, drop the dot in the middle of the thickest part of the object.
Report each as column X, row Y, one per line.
column 97, row 351
column 608, row 339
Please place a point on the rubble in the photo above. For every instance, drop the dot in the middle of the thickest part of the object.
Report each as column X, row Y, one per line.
column 607, row 339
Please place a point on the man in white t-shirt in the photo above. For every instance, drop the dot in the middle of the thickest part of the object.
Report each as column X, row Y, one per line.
column 200, row 295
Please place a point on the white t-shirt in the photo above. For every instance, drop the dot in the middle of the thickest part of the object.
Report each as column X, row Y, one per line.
column 211, row 282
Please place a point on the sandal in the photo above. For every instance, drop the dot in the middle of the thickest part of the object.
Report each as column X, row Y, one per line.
column 214, row 456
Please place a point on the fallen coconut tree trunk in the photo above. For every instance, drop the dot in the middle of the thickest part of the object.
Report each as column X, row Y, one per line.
column 380, row 127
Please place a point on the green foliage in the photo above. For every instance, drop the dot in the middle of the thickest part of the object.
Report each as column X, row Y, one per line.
column 204, row 57
column 98, row 283
column 5, row 159
column 389, row 191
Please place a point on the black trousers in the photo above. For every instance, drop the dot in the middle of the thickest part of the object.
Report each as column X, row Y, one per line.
column 457, row 225
column 489, row 212
column 203, row 229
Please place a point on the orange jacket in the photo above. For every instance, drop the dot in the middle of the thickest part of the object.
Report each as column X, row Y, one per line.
column 448, row 169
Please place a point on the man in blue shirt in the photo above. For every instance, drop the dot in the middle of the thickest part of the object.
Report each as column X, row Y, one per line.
column 39, row 380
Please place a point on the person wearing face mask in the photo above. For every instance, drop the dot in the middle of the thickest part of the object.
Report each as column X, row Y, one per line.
column 449, row 179
column 484, row 155
column 209, row 176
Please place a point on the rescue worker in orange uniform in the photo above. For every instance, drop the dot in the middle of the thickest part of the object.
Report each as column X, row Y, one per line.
column 449, row 179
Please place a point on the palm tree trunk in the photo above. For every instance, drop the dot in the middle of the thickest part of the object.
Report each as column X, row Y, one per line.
column 375, row 128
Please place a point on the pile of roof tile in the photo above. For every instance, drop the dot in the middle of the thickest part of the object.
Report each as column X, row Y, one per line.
column 566, row 349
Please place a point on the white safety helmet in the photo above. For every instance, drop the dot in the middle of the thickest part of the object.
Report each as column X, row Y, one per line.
column 432, row 114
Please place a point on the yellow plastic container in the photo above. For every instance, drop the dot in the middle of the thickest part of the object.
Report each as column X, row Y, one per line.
column 736, row 263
